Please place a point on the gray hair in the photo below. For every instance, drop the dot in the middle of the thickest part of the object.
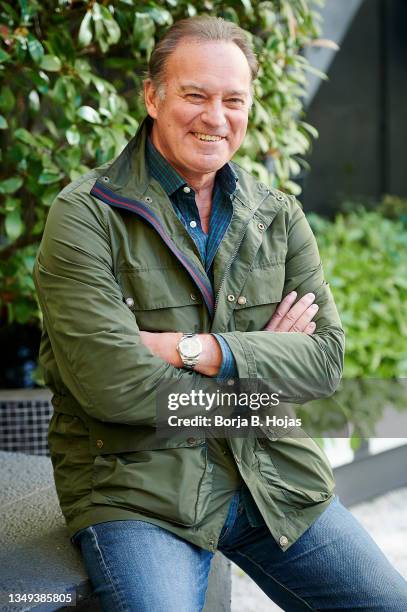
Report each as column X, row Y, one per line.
column 201, row 28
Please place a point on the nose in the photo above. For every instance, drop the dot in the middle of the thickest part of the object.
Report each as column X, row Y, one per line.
column 213, row 114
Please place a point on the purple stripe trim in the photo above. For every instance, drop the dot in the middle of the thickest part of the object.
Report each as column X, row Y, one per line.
column 106, row 195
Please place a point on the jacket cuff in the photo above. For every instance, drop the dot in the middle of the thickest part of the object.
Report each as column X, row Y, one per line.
column 228, row 368
column 242, row 352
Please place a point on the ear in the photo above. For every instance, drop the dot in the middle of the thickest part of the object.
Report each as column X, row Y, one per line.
column 151, row 98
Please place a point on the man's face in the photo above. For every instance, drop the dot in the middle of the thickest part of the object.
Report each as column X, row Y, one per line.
column 202, row 119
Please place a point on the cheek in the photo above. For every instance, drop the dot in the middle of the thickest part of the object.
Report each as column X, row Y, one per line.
column 239, row 130
column 183, row 116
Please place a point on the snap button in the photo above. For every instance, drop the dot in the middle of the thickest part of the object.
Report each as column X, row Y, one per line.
column 192, row 223
column 230, row 382
column 99, row 443
column 186, row 189
column 261, row 227
column 191, row 441
column 129, row 302
column 148, row 199
column 283, row 541
column 241, row 300
column 193, row 297
column 231, row 298
column 105, row 179
column 280, row 197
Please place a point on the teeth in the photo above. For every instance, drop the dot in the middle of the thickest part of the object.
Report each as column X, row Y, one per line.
column 207, row 136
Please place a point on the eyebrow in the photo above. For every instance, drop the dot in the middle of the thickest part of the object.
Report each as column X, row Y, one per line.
column 234, row 92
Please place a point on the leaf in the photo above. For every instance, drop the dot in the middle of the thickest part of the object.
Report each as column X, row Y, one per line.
column 35, row 49
column 52, row 63
column 85, row 30
column 48, row 178
column 160, row 15
column 112, row 27
column 4, row 56
column 13, row 224
column 11, row 185
column 7, row 99
column 3, row 123
column 72, row 135
column 34, row 100
column 89, row 114
column 25, row 136
column 247, row 5
column 324, row 42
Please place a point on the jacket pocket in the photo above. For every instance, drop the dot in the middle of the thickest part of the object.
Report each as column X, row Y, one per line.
column 262, row 293
column 295, row 471
column 161, row 299
column 173, row 484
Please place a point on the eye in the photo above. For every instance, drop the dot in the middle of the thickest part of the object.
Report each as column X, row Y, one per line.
column 195, row 96
column 236, row 101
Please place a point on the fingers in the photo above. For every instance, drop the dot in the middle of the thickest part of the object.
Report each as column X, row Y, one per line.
column 282, row 309
column 309, row 330
column 297, row 317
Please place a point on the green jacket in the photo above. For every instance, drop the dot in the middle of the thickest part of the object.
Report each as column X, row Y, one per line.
column 112, row 235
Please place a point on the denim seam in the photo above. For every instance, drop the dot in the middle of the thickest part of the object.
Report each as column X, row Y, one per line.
column 106, row 570
column 275, row 579
column 232, row 519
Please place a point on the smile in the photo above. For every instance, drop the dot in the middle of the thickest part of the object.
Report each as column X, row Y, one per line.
column 207, row 137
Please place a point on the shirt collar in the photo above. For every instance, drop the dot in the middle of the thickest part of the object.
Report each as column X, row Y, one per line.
column 160, row 169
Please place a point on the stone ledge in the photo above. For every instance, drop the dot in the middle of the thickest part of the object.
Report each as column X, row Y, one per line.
column 36, row 555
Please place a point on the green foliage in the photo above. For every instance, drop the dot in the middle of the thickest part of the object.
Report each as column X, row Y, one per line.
column 71, row 75
column 365, row 262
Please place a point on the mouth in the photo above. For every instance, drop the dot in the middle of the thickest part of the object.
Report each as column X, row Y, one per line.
column 208, row 137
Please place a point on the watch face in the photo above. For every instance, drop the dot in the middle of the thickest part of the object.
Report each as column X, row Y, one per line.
column 191, row 347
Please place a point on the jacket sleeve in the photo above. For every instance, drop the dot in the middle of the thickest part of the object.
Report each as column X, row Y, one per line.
column 310, row 366
column 94, row 336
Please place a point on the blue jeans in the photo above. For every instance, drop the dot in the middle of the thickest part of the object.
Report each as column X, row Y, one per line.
column 335, row 565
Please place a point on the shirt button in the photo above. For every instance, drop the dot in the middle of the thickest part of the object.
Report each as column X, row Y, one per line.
column 193, row 297
column 186, row 189
column 191, row 441
column 192, row 223
column 283, row 541
column 241, row 300
column 130, row 302
column 231, row 298
column 99, row 443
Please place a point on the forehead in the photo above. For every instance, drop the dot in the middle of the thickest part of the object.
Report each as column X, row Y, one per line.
column 210, row 65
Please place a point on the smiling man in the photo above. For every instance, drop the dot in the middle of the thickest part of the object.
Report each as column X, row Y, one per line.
column 172, row 262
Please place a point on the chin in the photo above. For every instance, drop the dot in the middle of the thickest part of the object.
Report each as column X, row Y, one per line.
column 212, row 165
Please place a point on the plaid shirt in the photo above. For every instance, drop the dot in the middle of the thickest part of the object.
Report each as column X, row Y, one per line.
column 182, row 197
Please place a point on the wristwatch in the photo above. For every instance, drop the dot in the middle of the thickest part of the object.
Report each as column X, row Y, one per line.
column 189, row 349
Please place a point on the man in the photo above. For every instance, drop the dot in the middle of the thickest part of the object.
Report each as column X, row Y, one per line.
column 172, row 263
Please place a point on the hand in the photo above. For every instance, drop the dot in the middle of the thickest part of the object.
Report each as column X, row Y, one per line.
column 297, row 318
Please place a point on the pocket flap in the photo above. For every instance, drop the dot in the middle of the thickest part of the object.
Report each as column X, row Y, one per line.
column 158, row 288
column 263, row 286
